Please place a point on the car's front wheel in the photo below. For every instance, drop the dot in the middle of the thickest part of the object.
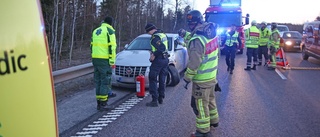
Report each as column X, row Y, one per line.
column 304, row 55
column 173, row 77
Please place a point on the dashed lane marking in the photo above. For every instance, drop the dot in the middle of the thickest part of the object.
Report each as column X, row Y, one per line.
column 111, row 116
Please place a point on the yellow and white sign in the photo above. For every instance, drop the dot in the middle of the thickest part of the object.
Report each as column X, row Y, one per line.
column 27, row 97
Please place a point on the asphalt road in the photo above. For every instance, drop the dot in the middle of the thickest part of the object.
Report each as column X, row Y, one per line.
column 279, row 103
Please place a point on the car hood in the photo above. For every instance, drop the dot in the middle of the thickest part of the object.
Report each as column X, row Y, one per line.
column 133, row 58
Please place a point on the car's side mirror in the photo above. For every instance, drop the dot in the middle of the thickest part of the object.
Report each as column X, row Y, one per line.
column 126, row 46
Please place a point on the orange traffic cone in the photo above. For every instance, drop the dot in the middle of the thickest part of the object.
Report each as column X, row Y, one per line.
column 281, row 58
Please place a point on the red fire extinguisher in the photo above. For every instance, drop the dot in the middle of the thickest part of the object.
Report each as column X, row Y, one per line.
column 140, row 86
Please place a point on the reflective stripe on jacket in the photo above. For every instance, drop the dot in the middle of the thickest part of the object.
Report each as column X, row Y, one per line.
column 265, row 35
column 207, row 70
column 232, row 39
column 164, row 40
column 103, row 43
column 252, row 37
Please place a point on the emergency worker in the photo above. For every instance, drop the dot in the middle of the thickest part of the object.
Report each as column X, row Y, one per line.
column 231, row 44
column 103, row 53
column 202, row 69
column 252, row 35
column 263, row 43
column 185, row 35
column 159, row 64
column 274, row 44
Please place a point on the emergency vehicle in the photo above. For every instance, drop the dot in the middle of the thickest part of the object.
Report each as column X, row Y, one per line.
column 225, row 13
column 27, row 97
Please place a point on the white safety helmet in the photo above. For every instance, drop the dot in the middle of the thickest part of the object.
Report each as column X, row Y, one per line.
column 254, row 22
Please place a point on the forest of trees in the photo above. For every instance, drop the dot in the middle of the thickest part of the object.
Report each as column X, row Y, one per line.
column 69, row 23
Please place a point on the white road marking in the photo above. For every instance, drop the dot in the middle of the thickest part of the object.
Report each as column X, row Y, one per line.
column 111, row 116
column 280, row 74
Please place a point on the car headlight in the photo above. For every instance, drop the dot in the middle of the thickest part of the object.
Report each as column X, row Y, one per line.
column 288, row 43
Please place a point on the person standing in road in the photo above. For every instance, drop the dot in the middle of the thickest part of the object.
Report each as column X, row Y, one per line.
column 274, row 45
column 231, row 44
column 159, row 64
column 103, row 53
column 185, row 35
column 263, row 43
column 203, row 49
column 252, row 35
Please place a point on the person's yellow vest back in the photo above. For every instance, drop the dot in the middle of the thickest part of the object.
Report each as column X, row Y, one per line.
column 164, row 40
column 100, row 42
column 209, row 65
column 252, row 37
column 275, row 43
column 232, row 39
column 264, row 39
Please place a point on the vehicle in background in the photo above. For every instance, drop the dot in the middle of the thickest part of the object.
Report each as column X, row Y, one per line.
column 134, row 61
column 225, row 13
column 291, row 40
column 281, row 28
column 310, row 45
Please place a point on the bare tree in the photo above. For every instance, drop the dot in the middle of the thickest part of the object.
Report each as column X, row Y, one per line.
column 75, row 9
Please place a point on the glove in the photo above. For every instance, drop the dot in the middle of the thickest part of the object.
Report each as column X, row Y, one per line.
column 152, row 57
column 217, row 88
column 187, row 83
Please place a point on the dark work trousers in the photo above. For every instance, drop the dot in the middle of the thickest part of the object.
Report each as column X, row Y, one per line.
column 230, row 56
column 102, row 78
column 252, row 53
column 263, row 50
column 159, row 67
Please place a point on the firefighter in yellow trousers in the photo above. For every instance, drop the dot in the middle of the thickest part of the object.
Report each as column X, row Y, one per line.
column 274, row 44
column 203, row 49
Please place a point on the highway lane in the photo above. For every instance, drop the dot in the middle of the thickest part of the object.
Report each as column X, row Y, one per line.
column 256, row 103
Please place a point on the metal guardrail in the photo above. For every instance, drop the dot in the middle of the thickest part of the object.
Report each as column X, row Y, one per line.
column 72, row 72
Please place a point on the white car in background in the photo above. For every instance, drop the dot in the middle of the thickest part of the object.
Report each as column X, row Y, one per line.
column 134, row 61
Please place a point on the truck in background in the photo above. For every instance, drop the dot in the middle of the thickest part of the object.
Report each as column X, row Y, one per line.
column 225, row 13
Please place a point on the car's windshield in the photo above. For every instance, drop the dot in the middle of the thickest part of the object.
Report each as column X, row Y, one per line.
column 280, row 28
column 291, row 35
column 143, row 43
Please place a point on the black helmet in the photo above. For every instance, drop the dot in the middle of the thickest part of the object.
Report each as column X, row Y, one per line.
column 194, row 17
column 182, row 32
column 274, row 25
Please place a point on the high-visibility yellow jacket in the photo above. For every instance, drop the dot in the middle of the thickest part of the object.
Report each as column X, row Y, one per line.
column 232, row 39
column 103, row 43
column 275, row 38
column 208, row 67
column 252, row 37
column 163, row 39
column 265, row 35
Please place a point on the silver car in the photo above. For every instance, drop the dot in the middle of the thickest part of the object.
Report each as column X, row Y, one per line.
column 134, row 61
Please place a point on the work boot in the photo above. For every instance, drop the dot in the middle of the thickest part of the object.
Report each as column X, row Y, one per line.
column 199, row 134
column 111, row 95
column 153, row 103
column 271, row 68
column 228, row 68
column 214, row 125
column 98, row 105
column 231, row 71
column 259, row 64
column 254, row 67
column 104, row 106
column 160, row 100
column 247, row 68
